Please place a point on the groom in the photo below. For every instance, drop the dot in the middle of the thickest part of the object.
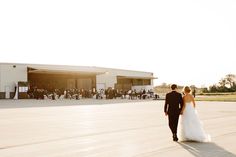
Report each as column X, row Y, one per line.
column 172, row 108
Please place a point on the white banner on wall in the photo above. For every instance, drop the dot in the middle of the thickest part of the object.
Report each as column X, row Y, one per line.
column 100, row 86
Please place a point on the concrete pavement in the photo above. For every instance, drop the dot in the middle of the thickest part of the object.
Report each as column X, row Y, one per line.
column 108, row 128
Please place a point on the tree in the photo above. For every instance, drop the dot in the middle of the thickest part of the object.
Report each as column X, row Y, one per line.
column 230, row 80
column 223, row 82
column 204, row 90
column 213, row 88
column 226, row 84
column 234, row 87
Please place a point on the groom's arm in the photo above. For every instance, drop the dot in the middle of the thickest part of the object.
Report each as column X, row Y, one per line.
column 166, row 104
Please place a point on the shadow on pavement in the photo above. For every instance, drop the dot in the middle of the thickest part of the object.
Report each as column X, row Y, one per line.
column 205, row 149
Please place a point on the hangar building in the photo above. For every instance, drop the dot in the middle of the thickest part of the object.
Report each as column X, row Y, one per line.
column 25, row 76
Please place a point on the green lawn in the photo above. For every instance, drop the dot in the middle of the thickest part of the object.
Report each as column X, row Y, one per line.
column 217, row 97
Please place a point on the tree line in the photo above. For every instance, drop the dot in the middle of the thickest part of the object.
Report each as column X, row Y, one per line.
column 226, row 84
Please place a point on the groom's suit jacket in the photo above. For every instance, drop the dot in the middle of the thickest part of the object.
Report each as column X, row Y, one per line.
column 173, row 103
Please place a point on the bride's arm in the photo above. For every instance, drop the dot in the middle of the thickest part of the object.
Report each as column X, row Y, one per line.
column 182, row 111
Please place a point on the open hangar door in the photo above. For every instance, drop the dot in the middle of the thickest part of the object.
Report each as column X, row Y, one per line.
column 61, row 79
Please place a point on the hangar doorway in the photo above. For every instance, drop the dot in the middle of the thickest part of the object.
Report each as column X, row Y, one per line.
column 126, row 83
column 60, row 79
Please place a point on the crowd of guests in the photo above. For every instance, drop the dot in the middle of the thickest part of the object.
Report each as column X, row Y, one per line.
column 110, row 93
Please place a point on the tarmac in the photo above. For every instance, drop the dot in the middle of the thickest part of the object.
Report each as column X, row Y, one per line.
column 108, row 128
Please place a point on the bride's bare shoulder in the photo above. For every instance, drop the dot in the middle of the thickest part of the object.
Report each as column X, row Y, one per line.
column 185, row 97
column 188, row 97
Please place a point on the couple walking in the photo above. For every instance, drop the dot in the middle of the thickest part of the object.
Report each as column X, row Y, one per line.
column 190, row 128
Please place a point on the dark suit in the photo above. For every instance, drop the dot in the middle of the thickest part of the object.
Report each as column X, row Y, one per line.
column 173, row 106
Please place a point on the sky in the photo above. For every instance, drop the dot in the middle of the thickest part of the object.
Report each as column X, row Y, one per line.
column 185, row 42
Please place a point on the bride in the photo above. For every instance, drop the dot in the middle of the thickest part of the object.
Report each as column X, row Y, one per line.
column 190, row 126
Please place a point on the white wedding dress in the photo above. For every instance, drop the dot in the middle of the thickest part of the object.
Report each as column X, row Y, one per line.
column 190, row 127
